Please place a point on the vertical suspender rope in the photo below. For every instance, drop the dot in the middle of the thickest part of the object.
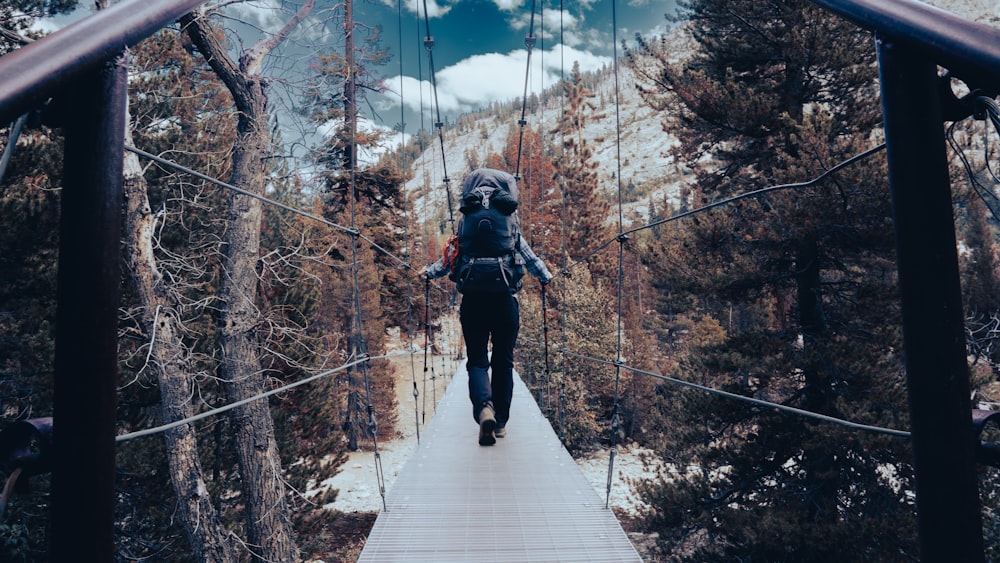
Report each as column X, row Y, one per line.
column 562, row 240
column 408, row 242
column 427, row 284
column 413, row 367
column 438, row 124
column 361, row 349
column 420, row 82
column 529, row 43
column 433, row 373
column 615, row 416
column 545, row 334
column 427, row 345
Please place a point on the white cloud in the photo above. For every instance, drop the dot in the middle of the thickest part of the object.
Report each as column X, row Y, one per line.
column 588, row 61
column 265, row 15
column 554, row 18
column 434, row 10
column 551, row 23
column 269, row 16
column 475, row 82
column 482, row 78
column 508, row 5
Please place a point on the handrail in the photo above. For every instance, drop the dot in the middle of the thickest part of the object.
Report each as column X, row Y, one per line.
column 35, row 72
column 969, row 50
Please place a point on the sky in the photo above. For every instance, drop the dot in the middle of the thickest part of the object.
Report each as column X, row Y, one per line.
column 479, row 52
column 479, row 49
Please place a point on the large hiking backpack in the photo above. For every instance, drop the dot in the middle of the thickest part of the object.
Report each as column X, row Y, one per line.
column 488, row 234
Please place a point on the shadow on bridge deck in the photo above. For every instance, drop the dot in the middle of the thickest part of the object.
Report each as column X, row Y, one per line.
column 524, row 499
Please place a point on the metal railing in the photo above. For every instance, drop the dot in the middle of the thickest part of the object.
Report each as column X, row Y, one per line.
column 79, row 72
column 912, row 39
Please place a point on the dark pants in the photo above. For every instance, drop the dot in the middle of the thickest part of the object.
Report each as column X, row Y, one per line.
column 484, row 316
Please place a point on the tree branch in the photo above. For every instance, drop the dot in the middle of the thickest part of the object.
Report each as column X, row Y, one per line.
column 252, row 59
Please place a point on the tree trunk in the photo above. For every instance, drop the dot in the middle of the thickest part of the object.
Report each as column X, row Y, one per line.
column 818, row 458
column 269, row 528
column 351, row 425
column 268, row 524
column 169, row 359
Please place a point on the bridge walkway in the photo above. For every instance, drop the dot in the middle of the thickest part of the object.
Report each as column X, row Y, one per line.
column 522, row 500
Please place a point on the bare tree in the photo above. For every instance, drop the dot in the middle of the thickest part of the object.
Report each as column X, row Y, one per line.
column 269, row 528
column 169, row 359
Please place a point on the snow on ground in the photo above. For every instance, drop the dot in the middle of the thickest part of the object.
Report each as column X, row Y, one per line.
column 633, row 464
column 359, row 490
column 357, row 480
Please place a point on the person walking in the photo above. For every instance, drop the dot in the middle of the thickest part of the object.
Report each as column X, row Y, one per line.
column 487, row 268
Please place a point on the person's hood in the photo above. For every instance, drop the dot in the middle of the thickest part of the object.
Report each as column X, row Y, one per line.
column 492, row 178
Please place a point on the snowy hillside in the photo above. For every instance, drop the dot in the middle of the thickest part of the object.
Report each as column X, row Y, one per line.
column 644, row 145
column 643, row 148
column 984, row 11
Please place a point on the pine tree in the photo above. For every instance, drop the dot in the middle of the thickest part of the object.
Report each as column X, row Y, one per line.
column 789, row 297
column 18, row 19
column 368, row 289
column 584, row 213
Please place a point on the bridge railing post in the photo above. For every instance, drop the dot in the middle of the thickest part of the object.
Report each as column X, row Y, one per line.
column 86, row 356
column 948, row 511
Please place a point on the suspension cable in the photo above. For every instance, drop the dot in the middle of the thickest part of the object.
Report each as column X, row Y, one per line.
column 437, row 315
column 529, row 43
column 615, row 416
column 407, row 240
column 745, row 399
column 438, row 124
column 346, row 230
column 545, row 338
column 194, row 418
column 860, row 156
column 427, row 341
column 361, row 348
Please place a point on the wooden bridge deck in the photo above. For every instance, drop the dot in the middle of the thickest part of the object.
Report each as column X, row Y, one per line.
column 524, row 499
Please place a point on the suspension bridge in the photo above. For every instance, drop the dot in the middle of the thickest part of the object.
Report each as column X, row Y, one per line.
column 524, row 500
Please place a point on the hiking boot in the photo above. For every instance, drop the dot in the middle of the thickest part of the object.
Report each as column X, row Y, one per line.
column 487, row 423
column 500, row 431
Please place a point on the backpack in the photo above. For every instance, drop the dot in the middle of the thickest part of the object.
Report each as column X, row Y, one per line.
column 488, row 234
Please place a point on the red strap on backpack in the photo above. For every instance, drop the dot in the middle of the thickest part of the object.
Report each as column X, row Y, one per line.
column 449, row 252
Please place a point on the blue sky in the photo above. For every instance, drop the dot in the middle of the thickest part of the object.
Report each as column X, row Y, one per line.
column 479, row 53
